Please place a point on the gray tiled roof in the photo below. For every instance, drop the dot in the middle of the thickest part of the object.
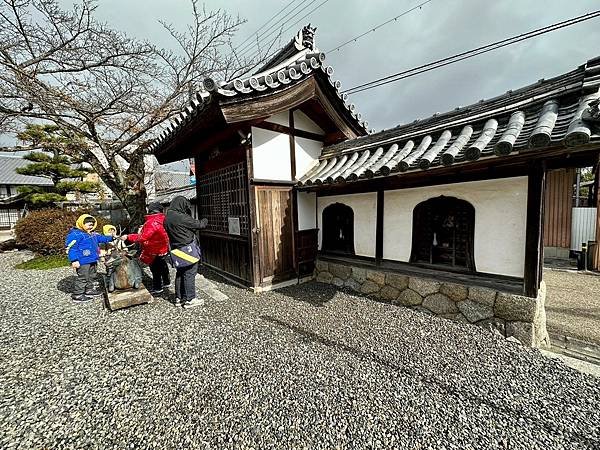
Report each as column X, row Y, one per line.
column 297, row 61
column 8, row 175
column 165, row 180
column 562, row 111
column 165, row 197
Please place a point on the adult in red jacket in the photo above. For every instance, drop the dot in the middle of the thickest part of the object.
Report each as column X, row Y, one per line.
column 155, row 246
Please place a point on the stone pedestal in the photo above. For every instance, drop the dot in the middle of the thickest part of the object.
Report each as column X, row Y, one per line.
column 120, row 299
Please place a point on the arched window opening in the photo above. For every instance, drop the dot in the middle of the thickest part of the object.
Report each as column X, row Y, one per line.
column 338, row 229
column 444, row 233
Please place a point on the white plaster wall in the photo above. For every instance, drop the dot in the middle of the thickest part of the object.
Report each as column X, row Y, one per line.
column 305, row 123
column 500, row 221
column 307, row 152
column 281, row 118
column 365, row 219
column 271, row 155
column 307, row 210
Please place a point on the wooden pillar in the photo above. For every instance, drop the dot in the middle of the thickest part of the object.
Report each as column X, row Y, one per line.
column 534, row 232
column 292, row 144
column 596, row 265
column 253, row 230
column 379, row 228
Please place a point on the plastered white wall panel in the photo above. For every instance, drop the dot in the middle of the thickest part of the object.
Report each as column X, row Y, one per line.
column 305, row 123
column 307, row 210
column 271, row 155
column 307, row 152
column 365, row 219
column 500, row 221
column 281, row 118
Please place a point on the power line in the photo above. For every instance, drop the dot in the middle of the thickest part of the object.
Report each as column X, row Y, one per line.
column 249, row 47
column 470, row 53
column 354, row 39
column 294, row 24
column 265, row 24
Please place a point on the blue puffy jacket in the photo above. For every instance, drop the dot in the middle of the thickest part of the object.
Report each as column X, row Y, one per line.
column 83, row 246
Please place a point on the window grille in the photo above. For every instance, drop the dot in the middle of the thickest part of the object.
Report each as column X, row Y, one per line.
column 444, row 233
column 224, row 194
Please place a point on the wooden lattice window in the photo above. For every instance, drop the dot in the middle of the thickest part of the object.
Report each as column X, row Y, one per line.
column 444, row 233
column 224, row 194
column 338, row 229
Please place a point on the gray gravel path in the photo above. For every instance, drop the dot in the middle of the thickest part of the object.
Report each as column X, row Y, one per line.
column 306, row 367
column 573, row 304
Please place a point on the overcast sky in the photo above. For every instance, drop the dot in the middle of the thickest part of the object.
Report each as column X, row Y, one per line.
column 440, row 28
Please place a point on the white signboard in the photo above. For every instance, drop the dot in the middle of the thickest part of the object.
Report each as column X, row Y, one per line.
column 234, row 225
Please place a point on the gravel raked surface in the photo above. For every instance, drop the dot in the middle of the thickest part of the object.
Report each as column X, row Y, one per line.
column 304, row 367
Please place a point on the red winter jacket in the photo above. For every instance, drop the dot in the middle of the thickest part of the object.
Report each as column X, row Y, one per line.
column 152, row 237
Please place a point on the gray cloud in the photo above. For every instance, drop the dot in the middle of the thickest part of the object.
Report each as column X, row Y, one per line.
column 438, row 29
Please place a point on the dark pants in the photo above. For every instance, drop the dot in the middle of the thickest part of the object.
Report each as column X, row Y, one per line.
column 86, row 275
column 160, row 273
column 185, row 282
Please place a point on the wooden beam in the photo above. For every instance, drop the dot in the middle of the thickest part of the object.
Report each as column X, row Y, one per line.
column 243, row 110
column 290, row 131
column 379, row 228
column 292, row 144
column 535, row 229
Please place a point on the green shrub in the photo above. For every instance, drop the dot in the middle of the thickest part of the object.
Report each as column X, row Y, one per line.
column 44, row 231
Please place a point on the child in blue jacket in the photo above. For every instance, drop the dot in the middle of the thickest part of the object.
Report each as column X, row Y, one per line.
column 83, row 249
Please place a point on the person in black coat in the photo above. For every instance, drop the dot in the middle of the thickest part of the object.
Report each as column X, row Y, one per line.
column 181, row 228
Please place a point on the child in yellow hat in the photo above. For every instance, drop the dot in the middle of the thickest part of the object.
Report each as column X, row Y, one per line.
column 83, row 250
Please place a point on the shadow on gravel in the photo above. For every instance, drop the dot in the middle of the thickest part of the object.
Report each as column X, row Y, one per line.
column 442, row 385
column 66, row 284
column 315, row 294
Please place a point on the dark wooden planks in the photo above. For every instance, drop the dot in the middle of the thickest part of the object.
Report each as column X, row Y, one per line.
column 534, row 230
column 558, row 205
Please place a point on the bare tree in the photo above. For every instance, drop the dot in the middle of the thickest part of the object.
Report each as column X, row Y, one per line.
column 68, row 69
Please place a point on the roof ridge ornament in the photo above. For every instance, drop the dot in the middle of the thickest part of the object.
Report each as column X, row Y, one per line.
column 305, row 38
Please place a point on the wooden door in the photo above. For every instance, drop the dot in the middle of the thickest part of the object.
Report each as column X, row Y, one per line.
column 275, row 234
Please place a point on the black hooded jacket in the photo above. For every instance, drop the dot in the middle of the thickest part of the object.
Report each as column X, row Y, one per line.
column 180, row 224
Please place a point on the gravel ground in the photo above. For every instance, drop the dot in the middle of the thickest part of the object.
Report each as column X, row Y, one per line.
column 305, row 367
column 573, row 304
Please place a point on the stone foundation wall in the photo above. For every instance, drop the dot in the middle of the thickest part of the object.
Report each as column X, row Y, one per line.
column 511, row 315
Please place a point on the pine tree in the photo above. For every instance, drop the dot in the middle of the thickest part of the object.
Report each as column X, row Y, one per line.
column 64, row 172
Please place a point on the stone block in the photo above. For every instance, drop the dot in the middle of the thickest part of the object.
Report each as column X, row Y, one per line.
column 475, row 312
column 352, row 284
column 337, row 281
column 523, row 331
column 408, row 297
column 389, row 293
column 321, row 266
column 369, row 287
column 340, row 271
column 456, row 292
column 482, row 295
column 120, row 299
column 422, row 310
column 458, row 317
column 324, row 277
column 423, row 286
column 400, row 282
column 359, row 274
column 376, row 277
column 495, row 325
column 516, row 308
column 440, row 304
